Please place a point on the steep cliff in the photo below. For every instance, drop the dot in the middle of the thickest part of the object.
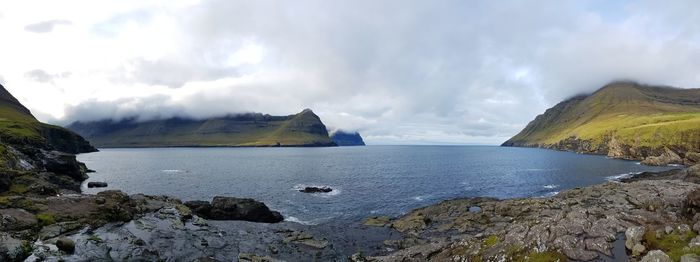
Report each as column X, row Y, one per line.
column 344, row 138
column 622, row 120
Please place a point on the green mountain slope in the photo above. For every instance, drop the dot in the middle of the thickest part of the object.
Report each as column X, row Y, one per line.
column 19, row 127
column 246, row 130
column 623, row 120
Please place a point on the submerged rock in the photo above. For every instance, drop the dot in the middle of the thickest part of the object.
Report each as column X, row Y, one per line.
column 313, row 189
column 96, row 184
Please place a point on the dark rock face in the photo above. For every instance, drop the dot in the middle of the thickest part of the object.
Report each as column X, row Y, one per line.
column 96, row 184
column 231, row 208
column 313, row 189
column 63, row 163
column 63, row 140
column 343, row 138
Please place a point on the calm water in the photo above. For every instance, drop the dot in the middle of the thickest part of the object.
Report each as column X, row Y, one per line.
column 368, row 180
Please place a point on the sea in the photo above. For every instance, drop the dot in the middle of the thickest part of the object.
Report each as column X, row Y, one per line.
column 366, row 181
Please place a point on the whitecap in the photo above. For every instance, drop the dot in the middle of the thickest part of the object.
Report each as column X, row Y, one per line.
column 171, row 171
column 621, row 176
column 296, row 220
column 551, row 186
column 418, row 198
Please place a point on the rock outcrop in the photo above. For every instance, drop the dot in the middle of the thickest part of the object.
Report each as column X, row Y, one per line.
column 344, row 138
column 230, row 208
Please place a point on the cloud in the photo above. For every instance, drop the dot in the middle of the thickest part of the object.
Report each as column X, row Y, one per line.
column 42, row 76
column 398, row 71
column 45, row 26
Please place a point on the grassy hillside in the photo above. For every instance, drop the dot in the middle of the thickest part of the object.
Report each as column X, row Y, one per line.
column 620, row 116
column 19, row 127
column 303, row 129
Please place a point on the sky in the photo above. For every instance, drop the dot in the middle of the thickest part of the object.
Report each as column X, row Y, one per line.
column 397, row 71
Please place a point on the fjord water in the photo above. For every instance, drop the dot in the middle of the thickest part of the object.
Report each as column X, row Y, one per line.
column 371, row 180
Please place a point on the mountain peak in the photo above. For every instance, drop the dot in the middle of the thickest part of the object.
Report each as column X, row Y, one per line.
column 10, row 101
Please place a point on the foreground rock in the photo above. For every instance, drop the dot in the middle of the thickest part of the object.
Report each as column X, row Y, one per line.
column 230, row 208
column 313, row 189
column 578, row 224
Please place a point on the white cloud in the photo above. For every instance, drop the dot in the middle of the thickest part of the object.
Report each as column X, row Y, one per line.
column 399, row 71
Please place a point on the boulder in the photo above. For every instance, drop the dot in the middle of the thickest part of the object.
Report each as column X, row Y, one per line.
column 690, row 258
column 16, row 219
column 313, row 189
column 656, row 256
column 231, row 208
column 638, row 250
column 633, row 236
column 96, row 184
column 66, row 245
column 11, row 248
column 692, row 202
column 201, row 208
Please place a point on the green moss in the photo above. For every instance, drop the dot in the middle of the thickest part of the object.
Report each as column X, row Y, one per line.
column 46, row 219
column 674, row 244
column 547, row 256
column 18, row 189
column 4, row 201
column 490, row 241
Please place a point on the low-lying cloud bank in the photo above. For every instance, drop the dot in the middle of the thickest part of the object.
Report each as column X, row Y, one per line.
column 398, row 71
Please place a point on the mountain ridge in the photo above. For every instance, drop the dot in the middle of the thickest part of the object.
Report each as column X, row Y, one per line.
column 622, row 120
column 304, row 129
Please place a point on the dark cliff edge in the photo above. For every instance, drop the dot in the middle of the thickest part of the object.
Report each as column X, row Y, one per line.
column 655, row 124
column 344, row 138
column 304, row 129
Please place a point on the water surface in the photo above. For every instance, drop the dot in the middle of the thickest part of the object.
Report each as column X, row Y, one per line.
column 371, row 180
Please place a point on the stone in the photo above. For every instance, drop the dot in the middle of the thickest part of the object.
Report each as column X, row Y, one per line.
column 380, row 221
column 656, row 256
column 66, row 245
column 695, row 242
column 201, row 208
column 683, row 228
column 16, row 219
column 696, row 227
column 11, row 248
column 96, row 184
column 668, row 229
column 665, row 158
column 633, row 236
column 690, row 258
column 638, row 250
column 313, row 189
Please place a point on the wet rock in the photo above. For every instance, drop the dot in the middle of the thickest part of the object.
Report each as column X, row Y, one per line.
column 656, row 256
column 96, row 184
column 304, row 239
column 231, row 208
column 690, row 258
column 256, row 258
column 201, row 208
column 313, row 189
column 380, row 221
column 633, row 236
column 66, row 245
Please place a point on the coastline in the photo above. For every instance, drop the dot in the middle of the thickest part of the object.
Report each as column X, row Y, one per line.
column 579, row 224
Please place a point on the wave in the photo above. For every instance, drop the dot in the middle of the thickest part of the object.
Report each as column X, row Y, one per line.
column 296, row 220
column 419, row 198
column 551, row 186
column 616, row 178
column 172, row 171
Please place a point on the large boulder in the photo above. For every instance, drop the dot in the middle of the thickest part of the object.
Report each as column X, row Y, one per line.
column 692, row 202
column 656, row 256
column 633, row 236
column 231, row 208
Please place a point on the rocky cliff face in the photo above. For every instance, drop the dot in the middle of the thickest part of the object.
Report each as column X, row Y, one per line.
column 622, row 120
column 253, row 129
column 343, row 138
